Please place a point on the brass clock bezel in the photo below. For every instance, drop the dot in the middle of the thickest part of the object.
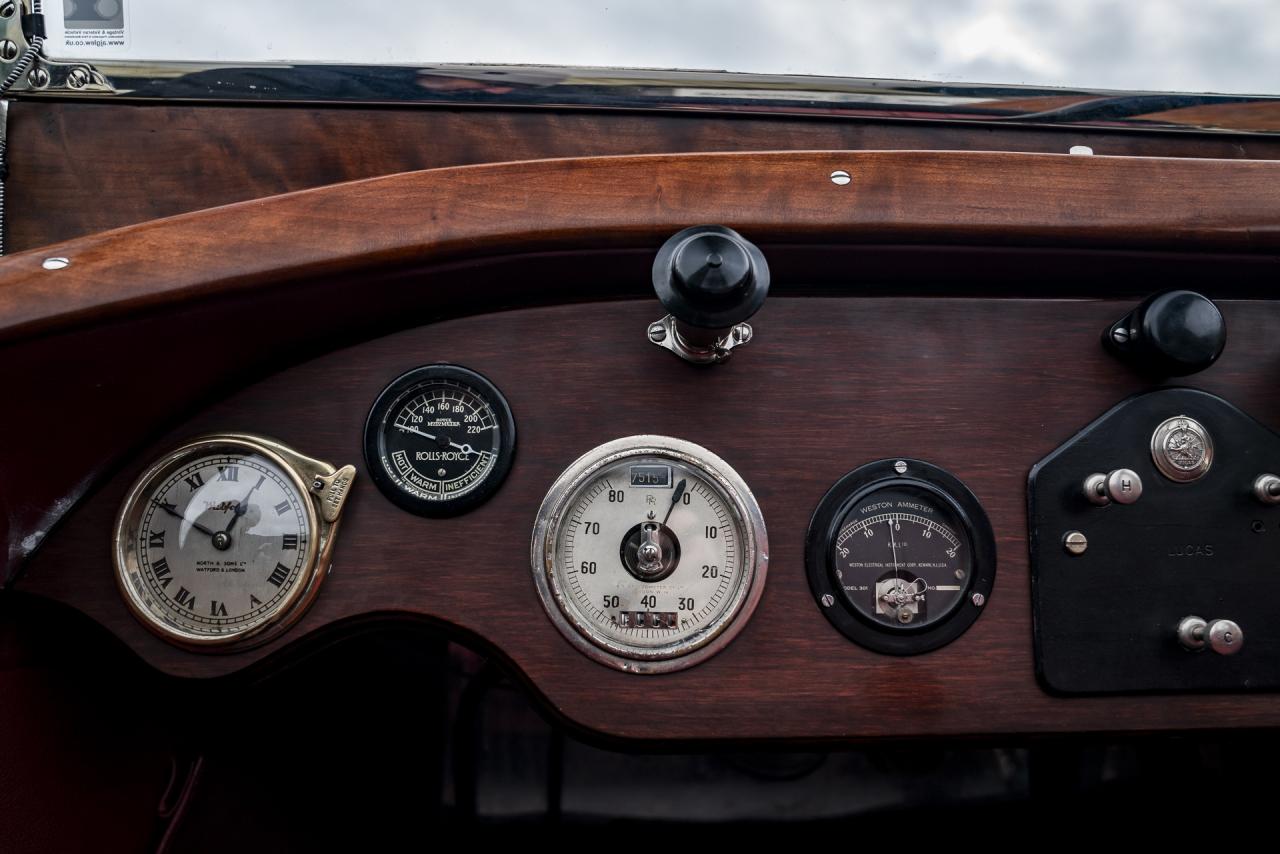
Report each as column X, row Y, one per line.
column 325, row 486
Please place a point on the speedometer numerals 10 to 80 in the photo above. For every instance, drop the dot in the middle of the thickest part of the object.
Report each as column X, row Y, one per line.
column 649, row 554
column 439, row 440
column 900, row 556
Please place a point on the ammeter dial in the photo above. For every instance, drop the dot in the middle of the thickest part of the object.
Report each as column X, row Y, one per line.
column 439, row 440
column 649, row 553
column 900, row 556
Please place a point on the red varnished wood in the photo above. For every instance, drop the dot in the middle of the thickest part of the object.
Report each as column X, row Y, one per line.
column 469, row 212
column 984, row 388
column 77, row 168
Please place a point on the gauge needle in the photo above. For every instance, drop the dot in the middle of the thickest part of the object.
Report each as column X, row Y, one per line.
column 466, row 449
column 417, row 431
column 243, row 506
column 675, row 499
column 894, row 544
column 172, row 510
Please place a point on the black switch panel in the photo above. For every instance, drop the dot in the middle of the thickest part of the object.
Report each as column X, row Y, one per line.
column 1106, row 618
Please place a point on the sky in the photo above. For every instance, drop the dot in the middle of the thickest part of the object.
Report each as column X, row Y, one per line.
column 1230, row 46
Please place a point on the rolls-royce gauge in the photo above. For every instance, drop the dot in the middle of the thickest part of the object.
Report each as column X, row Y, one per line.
column 900, row 556
column 439, row 440
column 224, row 542
column 649, row 554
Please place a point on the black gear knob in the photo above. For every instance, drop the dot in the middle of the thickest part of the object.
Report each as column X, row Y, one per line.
column 710, row 277
column 1171, row 334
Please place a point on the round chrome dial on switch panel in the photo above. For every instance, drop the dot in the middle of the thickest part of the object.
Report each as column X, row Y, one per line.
column 1182, row 449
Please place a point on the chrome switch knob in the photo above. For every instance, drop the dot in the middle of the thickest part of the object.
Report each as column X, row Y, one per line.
column 1266, row 488
column 1123, row 486
column 1222, row 636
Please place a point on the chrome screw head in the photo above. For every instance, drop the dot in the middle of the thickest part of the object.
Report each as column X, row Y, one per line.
column 8, row 50
column 1075, row 542
column 978, row 599
column 38, row 78
column 657, row 332
column 828, row 600
column 78, row 78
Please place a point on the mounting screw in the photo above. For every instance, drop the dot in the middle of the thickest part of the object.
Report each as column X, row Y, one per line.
column 7, row 9
column 828, row 600
column 840, row 177
column 1075, row 542
column 657, row 332
column 8, row 50
column 56, row 263
column 900, row 466
column 317, row 484
column 742, row 333
column 78, row 78
column 978, row 599
column 39, row 78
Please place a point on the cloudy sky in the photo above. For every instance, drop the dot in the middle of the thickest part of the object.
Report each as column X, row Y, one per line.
column 1184, row 45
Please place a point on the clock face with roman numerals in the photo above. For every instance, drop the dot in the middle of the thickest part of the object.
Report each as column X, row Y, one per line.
column 216, row 543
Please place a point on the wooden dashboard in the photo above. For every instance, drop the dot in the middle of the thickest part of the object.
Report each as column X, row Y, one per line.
column 945, row 306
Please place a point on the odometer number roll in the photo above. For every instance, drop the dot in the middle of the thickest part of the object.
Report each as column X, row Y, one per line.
column 439, row 440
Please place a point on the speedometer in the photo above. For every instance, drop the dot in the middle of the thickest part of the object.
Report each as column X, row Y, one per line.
column 649, row 554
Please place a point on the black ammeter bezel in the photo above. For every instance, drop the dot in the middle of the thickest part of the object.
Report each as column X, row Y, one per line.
column 407, row 384
column 824, row 528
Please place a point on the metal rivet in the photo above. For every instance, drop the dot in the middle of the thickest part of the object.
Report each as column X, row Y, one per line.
column 828, row 600
column 1075, row 542
column 978, row 599
column 39, row 78
column 56, row 263
column 840, row 177
column 8, row 50
column 900, row 466
column 1080, row 149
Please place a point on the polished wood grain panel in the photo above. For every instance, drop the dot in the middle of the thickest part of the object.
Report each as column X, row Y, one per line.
column 77, row 168
column 593, row 203
column 984, row 388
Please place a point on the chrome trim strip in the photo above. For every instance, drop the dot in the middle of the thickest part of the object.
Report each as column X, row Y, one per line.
column 717, row 91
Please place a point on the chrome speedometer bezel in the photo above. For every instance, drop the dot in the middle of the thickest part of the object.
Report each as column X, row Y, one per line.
column 706, row 641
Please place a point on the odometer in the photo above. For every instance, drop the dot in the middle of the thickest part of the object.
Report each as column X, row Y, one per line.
column 649, row 553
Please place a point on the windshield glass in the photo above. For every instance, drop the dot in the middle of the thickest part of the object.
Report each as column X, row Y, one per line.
column 1166, row 45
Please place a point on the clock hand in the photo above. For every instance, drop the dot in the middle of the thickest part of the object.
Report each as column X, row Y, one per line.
column 243, row 506
column 172, row 510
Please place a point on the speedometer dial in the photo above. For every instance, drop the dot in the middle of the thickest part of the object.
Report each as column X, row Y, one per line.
column 649, row 553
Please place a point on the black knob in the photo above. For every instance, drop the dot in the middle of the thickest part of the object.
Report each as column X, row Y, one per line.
column 710, row 277
column 1171, row 334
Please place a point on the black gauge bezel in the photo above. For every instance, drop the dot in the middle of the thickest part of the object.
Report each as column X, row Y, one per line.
column 406, row 384
column 824, row 527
